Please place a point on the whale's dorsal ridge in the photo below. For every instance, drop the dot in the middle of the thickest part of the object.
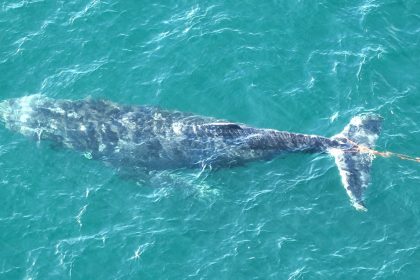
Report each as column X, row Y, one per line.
column 226, row 125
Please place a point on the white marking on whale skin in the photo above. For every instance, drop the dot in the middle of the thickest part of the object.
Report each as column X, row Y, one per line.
column 53, row 125
column 101, row 147
column 125, row 145
column 88, row 155
column 73, row 115
column 177, row 128
column 157, row 117
column 24, row 117
column 128, row 123
column 58, row 110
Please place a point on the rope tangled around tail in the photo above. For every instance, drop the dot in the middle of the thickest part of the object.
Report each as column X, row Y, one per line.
column 400, row 156
column 387, row 154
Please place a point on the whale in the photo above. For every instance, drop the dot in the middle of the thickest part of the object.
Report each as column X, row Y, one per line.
column 151, row 138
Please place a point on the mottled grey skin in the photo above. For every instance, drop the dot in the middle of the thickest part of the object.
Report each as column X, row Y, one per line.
column 133, row 137
column 139, row 136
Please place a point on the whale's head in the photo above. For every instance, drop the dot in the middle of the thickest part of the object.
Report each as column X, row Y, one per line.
column 20, row 113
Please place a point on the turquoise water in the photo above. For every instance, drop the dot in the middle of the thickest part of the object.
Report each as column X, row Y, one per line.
column 303, row 66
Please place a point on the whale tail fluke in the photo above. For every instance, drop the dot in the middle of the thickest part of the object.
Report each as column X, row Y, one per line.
column 354, row 163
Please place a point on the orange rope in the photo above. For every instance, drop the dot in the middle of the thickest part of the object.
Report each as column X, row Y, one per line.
column 364, row 149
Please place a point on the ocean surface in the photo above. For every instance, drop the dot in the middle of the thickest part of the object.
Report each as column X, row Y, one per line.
column 302, row 66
